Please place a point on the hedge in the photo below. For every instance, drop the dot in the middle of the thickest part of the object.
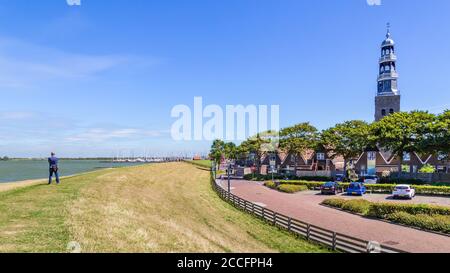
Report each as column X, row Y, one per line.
column 285, row 188
column 381, row 210
column 255, row 177
column 271, row 185
column 439, row 223
column 361, row 206
column 378, row 188
column 429, row 217
column 292, row 188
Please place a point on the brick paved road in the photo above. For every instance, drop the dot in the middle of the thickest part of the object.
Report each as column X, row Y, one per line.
column 306, row 207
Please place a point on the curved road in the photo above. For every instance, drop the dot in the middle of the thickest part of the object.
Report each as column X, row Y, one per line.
column 306, row 207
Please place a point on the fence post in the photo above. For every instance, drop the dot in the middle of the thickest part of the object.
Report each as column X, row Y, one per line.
column 253, row 208
column 263, row 213
column 334, row 240
column 308, row 231
column 275, row 219
column 289, row 223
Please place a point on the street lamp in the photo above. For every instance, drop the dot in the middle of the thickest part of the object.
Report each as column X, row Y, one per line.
column 229, row 181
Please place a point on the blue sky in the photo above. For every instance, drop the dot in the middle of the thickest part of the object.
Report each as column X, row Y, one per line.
column 102, row 78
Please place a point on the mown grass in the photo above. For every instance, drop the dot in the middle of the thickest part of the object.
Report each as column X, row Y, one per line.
column 150, row 208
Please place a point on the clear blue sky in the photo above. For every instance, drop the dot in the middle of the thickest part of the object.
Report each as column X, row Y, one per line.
column 103, row 77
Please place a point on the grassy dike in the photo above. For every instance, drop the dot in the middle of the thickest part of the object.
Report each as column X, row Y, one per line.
column 151, row 208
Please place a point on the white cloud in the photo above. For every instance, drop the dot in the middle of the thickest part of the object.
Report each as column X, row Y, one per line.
column 28, row 65
column 102, row 135
column 14, row 116
column 374, row 2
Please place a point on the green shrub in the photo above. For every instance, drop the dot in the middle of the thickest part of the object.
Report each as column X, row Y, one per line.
column 435, row 218
column 271, row 185
column 292, row 188
column 334, row 202
column 381, row 210
column 440, row 223
column 427, row 169
column 357, row 206
column 361, row 206
column 259, row 177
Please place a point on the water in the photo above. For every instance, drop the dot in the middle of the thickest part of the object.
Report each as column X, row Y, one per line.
column 19, row 170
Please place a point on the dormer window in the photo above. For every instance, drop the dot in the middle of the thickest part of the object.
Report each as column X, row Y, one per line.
column 406, row 157
column 320, row 156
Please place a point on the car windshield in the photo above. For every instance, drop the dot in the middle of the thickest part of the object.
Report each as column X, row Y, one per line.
column 354, row 186
column 402, row 188
column 329, row 184
column 371, row 177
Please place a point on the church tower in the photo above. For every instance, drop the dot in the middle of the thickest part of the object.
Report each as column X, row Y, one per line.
column 387, row 100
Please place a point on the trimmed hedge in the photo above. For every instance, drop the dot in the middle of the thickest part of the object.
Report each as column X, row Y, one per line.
column 361, row 206
column 271, row 185
column 285, row 188
column 434, row 218
column 292, row 188
column 439, row 223
column 381, row 210
column 378, row 188
column 255, row 177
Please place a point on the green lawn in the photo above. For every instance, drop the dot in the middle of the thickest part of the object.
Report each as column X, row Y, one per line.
column 150, row 208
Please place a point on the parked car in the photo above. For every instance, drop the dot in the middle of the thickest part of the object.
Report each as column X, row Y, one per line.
column 356, row 188
column 404, row 191
column 331, row 188
column 339, row 178
column 371, row 179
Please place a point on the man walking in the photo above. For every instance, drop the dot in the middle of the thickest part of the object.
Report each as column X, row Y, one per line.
column 53, row 168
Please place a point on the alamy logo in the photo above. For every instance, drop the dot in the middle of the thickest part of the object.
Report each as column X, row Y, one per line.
column 73, row 2
column 236, row 123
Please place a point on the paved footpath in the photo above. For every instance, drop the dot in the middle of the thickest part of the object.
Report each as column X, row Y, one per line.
column 306, row 207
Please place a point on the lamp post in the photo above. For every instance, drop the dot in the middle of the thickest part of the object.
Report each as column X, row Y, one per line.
column 229, row 180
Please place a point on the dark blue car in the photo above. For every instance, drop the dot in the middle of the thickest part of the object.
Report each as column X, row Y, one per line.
column 356, row 188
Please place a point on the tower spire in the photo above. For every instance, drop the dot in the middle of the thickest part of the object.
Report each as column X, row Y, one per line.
column 388, row 33
column 388, row 96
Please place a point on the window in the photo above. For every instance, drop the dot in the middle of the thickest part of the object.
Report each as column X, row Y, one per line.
column 406, row 157
column 391, row 111
column 441, row 156
column 383, row 112
column 371, row 155
column 320, row 156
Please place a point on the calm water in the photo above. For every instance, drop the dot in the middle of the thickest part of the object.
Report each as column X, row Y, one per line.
column 20, row 170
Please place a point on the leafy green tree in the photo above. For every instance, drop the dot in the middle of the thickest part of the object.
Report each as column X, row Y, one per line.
column 348, row 139
column 230, row 151
column 297, row 139
column 438, row 140
column 217, row 151
column 256, row 145
column 403, row 133
column 427, row 169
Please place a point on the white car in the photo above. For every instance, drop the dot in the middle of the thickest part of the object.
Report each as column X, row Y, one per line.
column 371, row 179
column 404, row 191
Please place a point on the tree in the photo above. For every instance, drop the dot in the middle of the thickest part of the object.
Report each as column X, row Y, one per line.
column 297, row 139
column 256, row 145
column 438, row 139
column 348, row 139
column 403, row 133
column 230, row 151
column 217, row 151
column 427, row 169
